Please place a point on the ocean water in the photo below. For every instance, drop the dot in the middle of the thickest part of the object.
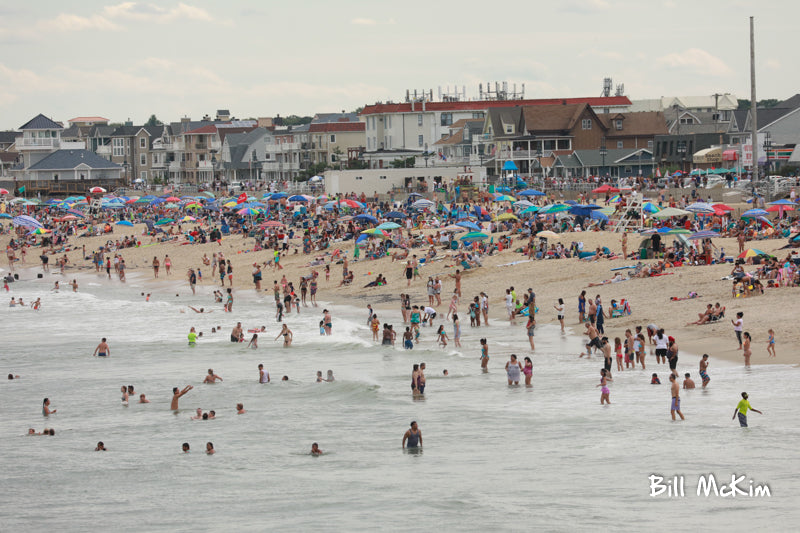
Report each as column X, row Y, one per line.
column 495, row 457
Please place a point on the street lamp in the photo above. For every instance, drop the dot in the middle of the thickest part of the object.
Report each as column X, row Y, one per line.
column 603, row 153
column 767, row 148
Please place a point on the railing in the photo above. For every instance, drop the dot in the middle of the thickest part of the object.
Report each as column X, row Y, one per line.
column 37, row 142
column 175, row 166
column 175, row 146
column 205, row 165
column 284, row 147
column 158, row 164
column 104, row 149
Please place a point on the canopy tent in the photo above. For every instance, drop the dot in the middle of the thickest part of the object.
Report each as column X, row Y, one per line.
column 708, row 156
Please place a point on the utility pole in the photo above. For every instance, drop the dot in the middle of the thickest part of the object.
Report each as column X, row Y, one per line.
column 753, row 104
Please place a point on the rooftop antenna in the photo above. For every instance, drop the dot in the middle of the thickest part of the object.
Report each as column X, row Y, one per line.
column 607, row 84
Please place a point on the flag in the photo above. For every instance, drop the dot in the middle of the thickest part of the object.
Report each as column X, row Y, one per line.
column 242, row 198
column 658, row 172
column 22, row 189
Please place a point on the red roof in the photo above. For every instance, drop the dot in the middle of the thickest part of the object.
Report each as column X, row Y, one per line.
column 337, row 126
column 477, row 105
column 88, row 119
column 211, row 128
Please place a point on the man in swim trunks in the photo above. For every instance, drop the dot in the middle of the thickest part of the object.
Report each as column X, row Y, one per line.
column 594, row 339
column 211, row 377
column 102, row 349
column 176, row 394
column 413, row 436
column 237, row 333
column 703, row 369
column 741, row 410
column 675, row 406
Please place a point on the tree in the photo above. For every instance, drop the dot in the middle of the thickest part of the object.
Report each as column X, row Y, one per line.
column 408, row 162
column 762, row 104
column 153, row 121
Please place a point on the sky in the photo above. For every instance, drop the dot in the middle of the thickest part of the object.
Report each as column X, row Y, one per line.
column 128, row 60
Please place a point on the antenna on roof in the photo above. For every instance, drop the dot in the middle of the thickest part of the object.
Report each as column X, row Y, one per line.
column 607, row 84
column 620, row 90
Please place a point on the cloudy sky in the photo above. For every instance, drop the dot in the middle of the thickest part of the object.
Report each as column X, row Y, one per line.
column 131, row 59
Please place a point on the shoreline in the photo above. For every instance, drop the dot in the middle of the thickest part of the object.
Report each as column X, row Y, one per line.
column 551, row 279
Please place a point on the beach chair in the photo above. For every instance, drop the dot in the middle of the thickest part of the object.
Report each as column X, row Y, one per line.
column 622, row 309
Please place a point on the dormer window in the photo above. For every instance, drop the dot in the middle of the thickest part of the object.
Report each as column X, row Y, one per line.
column 509, row 128
column 618, row 123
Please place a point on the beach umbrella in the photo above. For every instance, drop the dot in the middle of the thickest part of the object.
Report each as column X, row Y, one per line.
column 753, row 252
column 583, row 209
column 97, row 190
column 721, row 209
column 509, row 165
column 165, row 221
column 124, row 223
column 272, row 224
column 414, row 195
column 701, row 208
column 668, row 212
column 650, row 208
column 474, row 236
column 375, row 232
column 249, row 211
column 705, row 234
column 453, row 228
column 395, row 214
column 352, row 204
column 366, row 218
column 505, row 198
column 26, row 222
column 468, row 224
column 522, row 204
column 530, row 192
column 4, row 191
column 39, row 231
column 298, row 198
column 752, row 213
column 554, row 208
column 69, row 217
column 506, row 216
column 676, row 231
column 423, row 204
column 780, row 206
column 208, row 193
column 389, row 226
column 531, row 210
column 547, row 234
column 599, row 215
column 5, row 215
column 323, row 197
column 605, row 188
column 278, row 195
column 188, row 218
column 614, row 199
column 171, row 206
column 172, row 199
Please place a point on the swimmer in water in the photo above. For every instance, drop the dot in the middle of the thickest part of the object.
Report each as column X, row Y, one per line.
column 315, row 451
column 46, row 411
column 413, row 436
column 192, row 336
column 125, row 395
column 604, row 392
column 201, row 310
column 330, row 376
column 143, row 399
column 185, row 447
column 199, row 415
column 253, row 342
column 210, row 448
column 211, row 377
column 176, row 395
column 102, row 350
column 240, row 409
column 100, row 447
column 263, row 375
column 286, row 333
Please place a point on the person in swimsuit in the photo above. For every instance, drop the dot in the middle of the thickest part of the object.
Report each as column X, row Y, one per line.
column 528, row 371
column 604, row 392
column 211, row 377
column 741, row 410
column 124, row 395
column 484, row 355
column 582, row 307
column 263, row 375
column 46, row 411
column 315, row 451
column 421, row 379
column 704, row 370
column 771, row 344
column 286, row 333
column 530, row 326
column 559, row 307
column 513, row 368
column 414, row 380
column 102, row 349
column 237, row 333
column 456, row 331
column 326, row 316
column 413, row 436
column 675, row 406
column 176, row 394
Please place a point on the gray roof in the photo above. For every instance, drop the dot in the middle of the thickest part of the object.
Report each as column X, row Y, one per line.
column 70, row 159
column 41, row 122
column 8, row 137
column 497, row 116
column 768, row 116
column 324, row 118
column 792, row 103
column 614, row 157
column 100, row 130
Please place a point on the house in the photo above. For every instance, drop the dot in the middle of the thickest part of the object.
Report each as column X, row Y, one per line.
column 335, row 142
column 242, row 154
column 288, row 154
column 456, row 148
column 74, row 165
column 414, row 126
column 615, row 162
column 633, row 130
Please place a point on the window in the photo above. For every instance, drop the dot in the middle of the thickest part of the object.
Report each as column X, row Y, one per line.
column 564, row 144
column 420, row 141
column 389, row 144
column 650, row 144
column 143, row 159
column 509, row 128
column 550, row 145
column 333, row 138
column 118, row 146
column 142, row 142
column 446, row 119
column 419, row 119
column 618, row 124
column 586, row 124
column 143, row 175
column 478, row 114
column 620, row 144
column 389, row 121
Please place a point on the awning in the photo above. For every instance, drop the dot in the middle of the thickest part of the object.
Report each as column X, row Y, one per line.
column 730, row 155
column 708, row 155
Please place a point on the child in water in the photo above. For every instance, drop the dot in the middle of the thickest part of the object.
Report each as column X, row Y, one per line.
column 654, row 380
column 322, row 328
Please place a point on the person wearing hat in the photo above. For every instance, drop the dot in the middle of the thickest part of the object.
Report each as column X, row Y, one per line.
column 741, row 410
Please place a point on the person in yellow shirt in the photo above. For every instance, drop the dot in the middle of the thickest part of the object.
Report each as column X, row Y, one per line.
column 741, row 410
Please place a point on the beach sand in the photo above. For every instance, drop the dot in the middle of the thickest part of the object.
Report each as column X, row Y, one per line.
column 550, row 279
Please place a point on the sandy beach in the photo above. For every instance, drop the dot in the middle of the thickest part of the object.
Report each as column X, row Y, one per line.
column 649, row 298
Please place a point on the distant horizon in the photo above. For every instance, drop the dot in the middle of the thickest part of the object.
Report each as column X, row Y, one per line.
column 133, row 59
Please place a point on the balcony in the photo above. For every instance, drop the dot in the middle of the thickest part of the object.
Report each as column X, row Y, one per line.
column 37, row 143
column 158, row 164
column 103, row 150
column 174, row 146
column 176, row 166
column 279, row 166
column 284, row 147
column 205, row 165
